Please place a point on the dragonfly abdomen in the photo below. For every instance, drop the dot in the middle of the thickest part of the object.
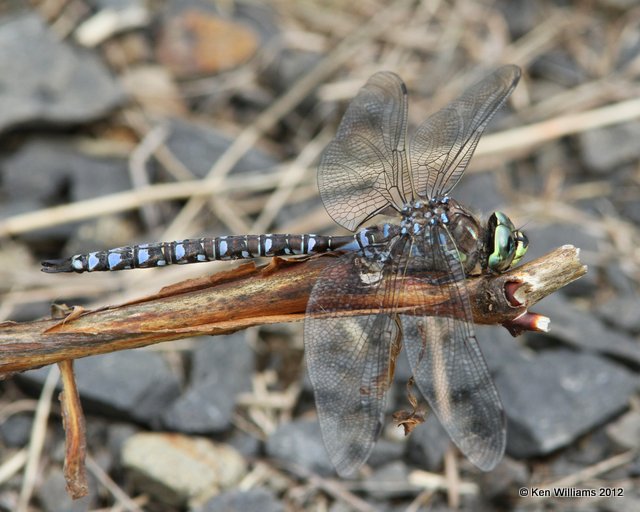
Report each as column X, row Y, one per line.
column 198, row 250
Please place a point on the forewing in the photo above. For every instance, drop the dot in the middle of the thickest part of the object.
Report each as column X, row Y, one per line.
column 446, row 361
column 443, row 145
column 364, row 168
column 349, row 358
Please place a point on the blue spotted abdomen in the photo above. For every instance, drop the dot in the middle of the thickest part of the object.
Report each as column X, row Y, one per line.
column 198, row 250
column 194, row 251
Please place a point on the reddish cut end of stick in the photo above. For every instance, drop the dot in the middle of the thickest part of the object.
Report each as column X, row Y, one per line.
column 527, row 322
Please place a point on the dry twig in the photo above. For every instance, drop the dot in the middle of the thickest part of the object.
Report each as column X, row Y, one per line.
column 252, row 295
column 73, row 421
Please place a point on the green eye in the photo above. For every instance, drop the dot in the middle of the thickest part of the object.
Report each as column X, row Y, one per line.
column 522, row 244
column 507, row 245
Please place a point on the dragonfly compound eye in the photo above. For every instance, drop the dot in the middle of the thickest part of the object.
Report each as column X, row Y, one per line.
column 522, row 244
column 505, row 244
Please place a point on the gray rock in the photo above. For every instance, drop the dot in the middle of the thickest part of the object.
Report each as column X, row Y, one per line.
column 622, row 312
column 254, row 500
column 558, row 396
column 543, row 240
column 222, row 368
column 591, row 449
column 604, row 149
column 299, row 209
column 42, row 167
column 11, row 207
column 625, row 431
column 16, row 430
column 246, row 444
column 45, row 80
column 618, row 278
column 53, row 496
column 199, row 146
column 38, row 170
column 134, row 384
column 177, row 469
column 521, row 15
column 43, row 172
column 480, row 192
column 505, row 479
column 427, row 444
column 630, row 502
column 560, row 67
column 287, row 67
column 629, row 208
column 584, row 330
column 386, row 451
column 555, row 155
column 115, row 4
column 499, row 348
column 117, row 435
column 629, row 46
column 300, row 442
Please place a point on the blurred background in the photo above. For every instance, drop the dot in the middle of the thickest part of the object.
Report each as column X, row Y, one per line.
column 125, row 122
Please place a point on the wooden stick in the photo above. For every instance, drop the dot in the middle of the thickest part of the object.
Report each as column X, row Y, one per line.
column 254, row 295
column 74, row 427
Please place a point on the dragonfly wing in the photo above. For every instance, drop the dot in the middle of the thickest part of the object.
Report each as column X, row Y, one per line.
column 364, row 168
column 446, row 361
column 349, row 358
column 443, row 145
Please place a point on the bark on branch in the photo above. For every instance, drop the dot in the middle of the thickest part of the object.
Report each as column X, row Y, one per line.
column 253, row 295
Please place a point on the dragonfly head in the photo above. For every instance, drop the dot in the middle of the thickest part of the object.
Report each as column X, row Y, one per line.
column 507, row 245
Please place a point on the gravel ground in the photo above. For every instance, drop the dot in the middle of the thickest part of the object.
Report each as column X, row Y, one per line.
column 126, row 122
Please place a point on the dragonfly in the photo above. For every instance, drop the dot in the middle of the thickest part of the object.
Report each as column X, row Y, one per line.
column 366, row 170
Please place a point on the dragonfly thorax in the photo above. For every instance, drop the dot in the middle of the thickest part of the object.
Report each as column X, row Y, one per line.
column 418, row 214
column 428, row 218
